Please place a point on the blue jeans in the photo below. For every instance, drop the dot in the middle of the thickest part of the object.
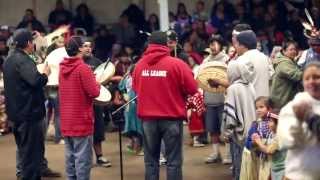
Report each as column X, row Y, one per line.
column 54, row 104
column 236, row 159
column 171, row 131
column 78, row 157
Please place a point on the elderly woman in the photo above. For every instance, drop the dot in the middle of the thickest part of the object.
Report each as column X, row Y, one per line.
column 298, row 128
column 287, row 77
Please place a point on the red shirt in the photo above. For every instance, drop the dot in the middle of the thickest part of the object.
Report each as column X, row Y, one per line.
column 77, row 90
column 162, row 84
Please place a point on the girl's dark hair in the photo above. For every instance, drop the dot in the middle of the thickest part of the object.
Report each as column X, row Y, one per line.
column 157, row 23
column 286, row 44
column 266, row 101
column 181, row 5
column 82, row 6
column 218, row 38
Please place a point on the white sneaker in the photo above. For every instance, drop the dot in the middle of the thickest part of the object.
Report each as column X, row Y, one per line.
column 103, row 162
column 213, row 158
column 226, row 161
column 162, row 161
column 61, row 142
column 197, row 144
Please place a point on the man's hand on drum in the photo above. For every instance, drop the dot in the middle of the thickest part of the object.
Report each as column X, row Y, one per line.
column 214, row 83
column 218, row 82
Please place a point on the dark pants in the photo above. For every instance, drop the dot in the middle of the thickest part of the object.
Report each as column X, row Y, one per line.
column 44, row 161
column 30, row 148
column 171, row 131
column 99, row 126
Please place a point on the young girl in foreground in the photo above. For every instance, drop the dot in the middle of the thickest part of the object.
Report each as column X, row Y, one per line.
column 256, row 164
column 271, row 148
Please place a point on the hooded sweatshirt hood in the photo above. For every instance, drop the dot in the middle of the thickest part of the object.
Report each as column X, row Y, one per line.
column 242, row 72
column 155, row 53
column 69, row 64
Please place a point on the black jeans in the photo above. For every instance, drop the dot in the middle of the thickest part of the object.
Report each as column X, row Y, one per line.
column 171, row 131
column 29, row 138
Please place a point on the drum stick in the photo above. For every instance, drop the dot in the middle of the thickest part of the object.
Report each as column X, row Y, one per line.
column 107, row 62
column 121, row 107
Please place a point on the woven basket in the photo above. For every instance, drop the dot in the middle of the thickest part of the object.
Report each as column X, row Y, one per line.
column 212, row 70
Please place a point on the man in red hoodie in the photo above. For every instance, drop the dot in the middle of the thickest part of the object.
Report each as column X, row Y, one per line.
column 77, row 89
column 162, row 84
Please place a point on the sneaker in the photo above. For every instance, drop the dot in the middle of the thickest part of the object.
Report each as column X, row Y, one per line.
column 231, row 168
column 226, row 161
column 103, row 162
column 140, row 153
column 213, row 159
column 197, row 144
column 61, row 142
column 162, row 161
column 50, row 173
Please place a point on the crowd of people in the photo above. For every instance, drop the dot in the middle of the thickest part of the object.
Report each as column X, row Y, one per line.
column 264, row 112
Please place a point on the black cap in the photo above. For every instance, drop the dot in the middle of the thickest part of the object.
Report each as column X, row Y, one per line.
column 21, row 37
column 158, row 37
column 172, row 35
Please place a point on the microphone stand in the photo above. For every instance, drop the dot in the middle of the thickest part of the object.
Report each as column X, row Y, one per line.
column 120, row 136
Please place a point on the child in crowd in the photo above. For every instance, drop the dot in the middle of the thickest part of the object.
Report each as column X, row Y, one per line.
column 195, row 106
column 271, row 148
column 239, row 109
column 133, row 126
column 255, row 164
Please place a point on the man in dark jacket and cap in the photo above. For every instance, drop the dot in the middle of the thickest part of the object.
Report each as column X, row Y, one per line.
column 24, row 95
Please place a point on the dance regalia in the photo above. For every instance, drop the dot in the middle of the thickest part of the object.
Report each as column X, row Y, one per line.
column 196, row 104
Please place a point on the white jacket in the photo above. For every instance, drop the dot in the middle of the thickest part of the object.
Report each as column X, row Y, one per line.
column 303, row 158
column 262, row 70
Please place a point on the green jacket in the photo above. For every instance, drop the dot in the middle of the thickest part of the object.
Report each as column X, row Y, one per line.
column 286, row 81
